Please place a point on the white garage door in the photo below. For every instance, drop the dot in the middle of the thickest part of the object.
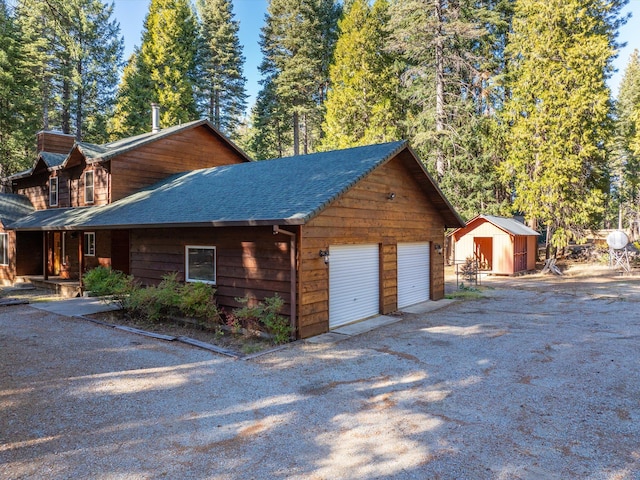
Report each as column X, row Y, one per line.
column 413, row 273
column 354, row 285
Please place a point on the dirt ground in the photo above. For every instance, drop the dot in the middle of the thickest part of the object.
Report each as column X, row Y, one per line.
column 537, row 378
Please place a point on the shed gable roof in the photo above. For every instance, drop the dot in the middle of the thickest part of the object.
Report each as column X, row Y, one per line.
column 288, row 190
column 508, row 225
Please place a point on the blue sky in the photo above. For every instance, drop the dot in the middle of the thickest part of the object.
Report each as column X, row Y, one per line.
column 250, row 14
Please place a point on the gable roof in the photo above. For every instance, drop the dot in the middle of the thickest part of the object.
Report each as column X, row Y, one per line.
column 97, row 153
column 13, row 207
column 508, row 225
column 289, row 190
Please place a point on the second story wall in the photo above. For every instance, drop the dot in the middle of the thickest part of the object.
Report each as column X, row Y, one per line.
column 189, row 150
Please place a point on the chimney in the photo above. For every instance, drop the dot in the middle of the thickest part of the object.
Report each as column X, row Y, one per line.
column 54, row 142
column 155, row 118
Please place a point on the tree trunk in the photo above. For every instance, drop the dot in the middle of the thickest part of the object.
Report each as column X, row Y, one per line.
column 440, row 115
column 296, row 134
column 79, row 104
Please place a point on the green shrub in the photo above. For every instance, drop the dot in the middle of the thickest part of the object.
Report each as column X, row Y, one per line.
column 266, row 313
column 102, row 282
column 171, row 298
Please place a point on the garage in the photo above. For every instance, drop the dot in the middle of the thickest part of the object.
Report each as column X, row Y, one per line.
column 413, row 273
column 354, row 283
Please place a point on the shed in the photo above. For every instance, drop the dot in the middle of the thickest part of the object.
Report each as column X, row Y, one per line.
column 502, row 246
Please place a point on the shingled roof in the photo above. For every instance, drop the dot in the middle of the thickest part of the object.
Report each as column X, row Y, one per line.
column 97, row 153
column 283, row 191
column 13, row 207
column 508, row 225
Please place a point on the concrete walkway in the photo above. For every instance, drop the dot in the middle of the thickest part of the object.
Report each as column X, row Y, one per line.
column 73, row 307
column 369, row 324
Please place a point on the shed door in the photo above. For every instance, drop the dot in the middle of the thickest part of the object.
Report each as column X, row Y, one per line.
column 413, row 273
column 354, row 283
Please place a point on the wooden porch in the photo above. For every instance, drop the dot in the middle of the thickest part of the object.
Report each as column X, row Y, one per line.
column 64, row 287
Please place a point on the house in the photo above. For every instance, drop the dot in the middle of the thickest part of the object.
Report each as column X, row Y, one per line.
column 502, row 246
column 77, row 175
column 340, row 236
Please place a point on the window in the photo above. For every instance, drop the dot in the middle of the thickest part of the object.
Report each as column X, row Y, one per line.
column 90, row 244
column 4, row 249
column 53, row 192
column 200, row 264
column 88, row 187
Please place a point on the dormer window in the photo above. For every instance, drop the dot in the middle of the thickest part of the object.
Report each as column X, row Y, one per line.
column 53, row 192
column 88, row 186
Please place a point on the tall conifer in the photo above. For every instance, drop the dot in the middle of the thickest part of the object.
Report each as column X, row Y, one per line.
column 223, row 94
column 163, row 70
column 297, row 42
column 362, row 105
column 559, row 112
column 18, row 111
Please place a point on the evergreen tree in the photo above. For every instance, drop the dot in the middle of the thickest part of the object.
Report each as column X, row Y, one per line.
column 18, row 113
column 163, row 70
column 627, row 145
column 270, row 133
column 451, row 53
column 135, row 95
column 559, row 112
column 76, row 49
column 222, row 83
column 297, row 43
column 362, row 105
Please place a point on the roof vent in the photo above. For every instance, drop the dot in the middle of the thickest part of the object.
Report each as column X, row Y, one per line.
column 155, row 118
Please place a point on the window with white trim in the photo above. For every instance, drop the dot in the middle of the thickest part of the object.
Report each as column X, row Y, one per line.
column 4, row 249
column 200, row 264
column 53, row 192
column 90, row 244
column 88, row 186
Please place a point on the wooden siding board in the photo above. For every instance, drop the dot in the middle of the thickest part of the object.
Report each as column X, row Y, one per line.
column 191, row 150
column 365, row 215
column 250, row 260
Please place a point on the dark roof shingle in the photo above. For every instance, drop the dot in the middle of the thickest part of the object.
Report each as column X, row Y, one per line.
column 283, row 191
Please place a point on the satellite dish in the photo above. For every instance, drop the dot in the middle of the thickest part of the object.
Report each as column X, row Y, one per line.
column 617, row 240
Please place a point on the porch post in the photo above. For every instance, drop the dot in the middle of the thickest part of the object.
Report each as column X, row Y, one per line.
column 80, row 256
column 45, row 255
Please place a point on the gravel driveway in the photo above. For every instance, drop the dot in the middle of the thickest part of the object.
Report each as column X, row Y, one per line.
column 540, row 378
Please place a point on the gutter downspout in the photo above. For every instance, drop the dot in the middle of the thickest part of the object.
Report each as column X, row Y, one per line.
column 294, row 299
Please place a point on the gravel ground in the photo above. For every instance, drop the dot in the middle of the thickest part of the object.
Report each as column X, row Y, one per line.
column 539, row 378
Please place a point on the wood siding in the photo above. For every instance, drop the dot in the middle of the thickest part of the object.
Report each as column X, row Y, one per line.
column 189, row 150
column 365, row 215
column 511, row 253
column 54, row 142
column 8, row 272
column 35, row 188
column 249, row 260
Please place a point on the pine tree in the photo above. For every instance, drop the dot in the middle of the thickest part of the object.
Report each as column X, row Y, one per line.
column 297, row 43
column 133, row 101
column 559, row 112
column 18, row 113
column 76, row 49
column 627, row 144
column 163, row 70
column 362, row 105
column 451, row 53
column 223, row 84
